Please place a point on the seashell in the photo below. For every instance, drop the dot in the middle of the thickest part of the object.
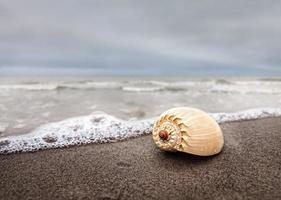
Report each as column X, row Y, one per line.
column 188, row 130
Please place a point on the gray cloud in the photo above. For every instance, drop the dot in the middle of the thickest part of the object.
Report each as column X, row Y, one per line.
column 159, row 37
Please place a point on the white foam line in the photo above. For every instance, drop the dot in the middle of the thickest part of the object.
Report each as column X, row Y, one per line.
column 100, row 127
column 251, row 114
column 95, row 128
column 141, row 89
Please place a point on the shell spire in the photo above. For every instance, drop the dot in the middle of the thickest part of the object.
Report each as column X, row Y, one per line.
column 188, row 130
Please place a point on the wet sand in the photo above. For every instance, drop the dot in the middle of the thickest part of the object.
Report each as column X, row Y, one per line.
column 248, row 168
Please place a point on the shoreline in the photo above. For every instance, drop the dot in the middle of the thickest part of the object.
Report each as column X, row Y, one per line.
column 248, row 167
column 100, row 127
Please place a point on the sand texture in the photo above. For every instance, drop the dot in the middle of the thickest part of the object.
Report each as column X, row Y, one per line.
column 248, row 168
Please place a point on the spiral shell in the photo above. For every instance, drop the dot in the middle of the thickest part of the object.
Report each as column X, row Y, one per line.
column 188, row 130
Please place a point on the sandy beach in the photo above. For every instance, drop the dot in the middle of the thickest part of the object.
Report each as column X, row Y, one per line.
column 85, row 84
column 248, row 168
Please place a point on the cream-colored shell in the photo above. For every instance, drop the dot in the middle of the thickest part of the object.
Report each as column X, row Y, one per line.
column 190, row 130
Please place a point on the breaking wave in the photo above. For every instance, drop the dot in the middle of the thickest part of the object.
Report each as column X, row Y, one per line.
column 206, row 86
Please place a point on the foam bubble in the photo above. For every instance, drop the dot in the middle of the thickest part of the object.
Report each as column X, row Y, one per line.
column 100, row 127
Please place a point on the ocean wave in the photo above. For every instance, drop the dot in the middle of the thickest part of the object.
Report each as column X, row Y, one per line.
column 100, row 127
column 60, row 86
column 224, row 82
column 210, row 86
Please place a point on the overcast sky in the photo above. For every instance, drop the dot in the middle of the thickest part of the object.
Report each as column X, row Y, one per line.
column 146, row 37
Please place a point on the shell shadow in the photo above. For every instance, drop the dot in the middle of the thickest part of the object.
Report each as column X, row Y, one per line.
column 180, row 159
column 186, row 156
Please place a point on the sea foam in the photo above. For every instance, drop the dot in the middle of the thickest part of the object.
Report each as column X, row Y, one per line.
column 100, row 127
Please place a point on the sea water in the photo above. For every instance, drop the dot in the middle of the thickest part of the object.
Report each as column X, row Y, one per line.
column 51, row 112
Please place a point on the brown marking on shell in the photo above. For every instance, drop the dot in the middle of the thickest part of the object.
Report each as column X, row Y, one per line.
column 163, row 135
